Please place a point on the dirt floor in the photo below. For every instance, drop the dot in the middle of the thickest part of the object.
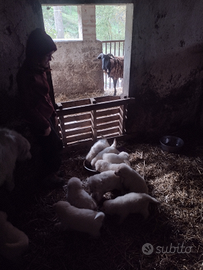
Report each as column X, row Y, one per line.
column 171, row 238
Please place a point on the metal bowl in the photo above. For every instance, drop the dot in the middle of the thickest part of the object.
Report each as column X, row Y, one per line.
column 171, row 144
column 89, row 167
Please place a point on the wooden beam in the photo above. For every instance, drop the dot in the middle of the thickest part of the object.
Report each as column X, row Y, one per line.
column 91, row 107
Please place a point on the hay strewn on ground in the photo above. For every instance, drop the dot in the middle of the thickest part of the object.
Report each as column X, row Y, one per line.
column 174, row 229
column 62, row 97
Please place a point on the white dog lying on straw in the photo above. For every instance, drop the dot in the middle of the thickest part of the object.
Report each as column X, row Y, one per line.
column 82, row 220
column 13, row 147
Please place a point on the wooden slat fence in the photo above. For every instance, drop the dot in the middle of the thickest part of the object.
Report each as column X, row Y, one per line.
column 116, row 47
column 87, row 120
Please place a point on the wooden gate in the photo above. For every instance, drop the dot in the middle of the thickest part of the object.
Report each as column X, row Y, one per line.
column 87, row 120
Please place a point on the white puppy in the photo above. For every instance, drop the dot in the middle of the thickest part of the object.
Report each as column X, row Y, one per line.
column 13, row 242
column 122, row 157
column 131, row 180
column 110, row 149
column 99, row 184
column 82, row 220
column 13, row 147
column 77, row 196
column 96, row 148
column 102, row 166
column 128, row 203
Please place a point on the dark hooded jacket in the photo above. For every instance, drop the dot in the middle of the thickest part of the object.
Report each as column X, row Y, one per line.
column 33, row 85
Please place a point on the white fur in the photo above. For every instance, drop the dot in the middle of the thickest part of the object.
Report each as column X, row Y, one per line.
column 82, row 220
column 99, row 184
column 122, row 157
column 13, row 147
column 96, row 148
column 129, row 203
column 110, row 149
column 131, row 180
column 77, row 196
column 13, row 242
column 102, row 166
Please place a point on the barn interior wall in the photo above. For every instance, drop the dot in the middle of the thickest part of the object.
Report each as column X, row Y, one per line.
column 18, row 19
column 166, row 67
column 166, row 60
column 75, row 67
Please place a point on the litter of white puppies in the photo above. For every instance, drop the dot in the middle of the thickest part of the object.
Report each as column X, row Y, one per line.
column 78, row 212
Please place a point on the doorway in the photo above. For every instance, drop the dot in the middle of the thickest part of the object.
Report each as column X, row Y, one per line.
column 86, row 118
column 76, row 71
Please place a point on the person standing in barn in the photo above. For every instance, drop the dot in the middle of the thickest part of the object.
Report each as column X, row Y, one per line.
column 38, row 108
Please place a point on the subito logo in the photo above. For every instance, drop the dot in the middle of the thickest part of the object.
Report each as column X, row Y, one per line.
column 147, row 249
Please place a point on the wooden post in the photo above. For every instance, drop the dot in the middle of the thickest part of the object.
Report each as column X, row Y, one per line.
column 94, row 120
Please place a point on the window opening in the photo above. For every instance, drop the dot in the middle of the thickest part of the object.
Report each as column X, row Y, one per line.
column 110, row 22
column 61, row 22
column 109, row 30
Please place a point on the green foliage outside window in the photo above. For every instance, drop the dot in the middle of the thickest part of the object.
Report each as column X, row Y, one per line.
column 48, row 16
column 70, row 21
column 110, row 22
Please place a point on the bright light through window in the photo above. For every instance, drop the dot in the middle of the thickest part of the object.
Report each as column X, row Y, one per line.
column 64, row 22
column 61, row 22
